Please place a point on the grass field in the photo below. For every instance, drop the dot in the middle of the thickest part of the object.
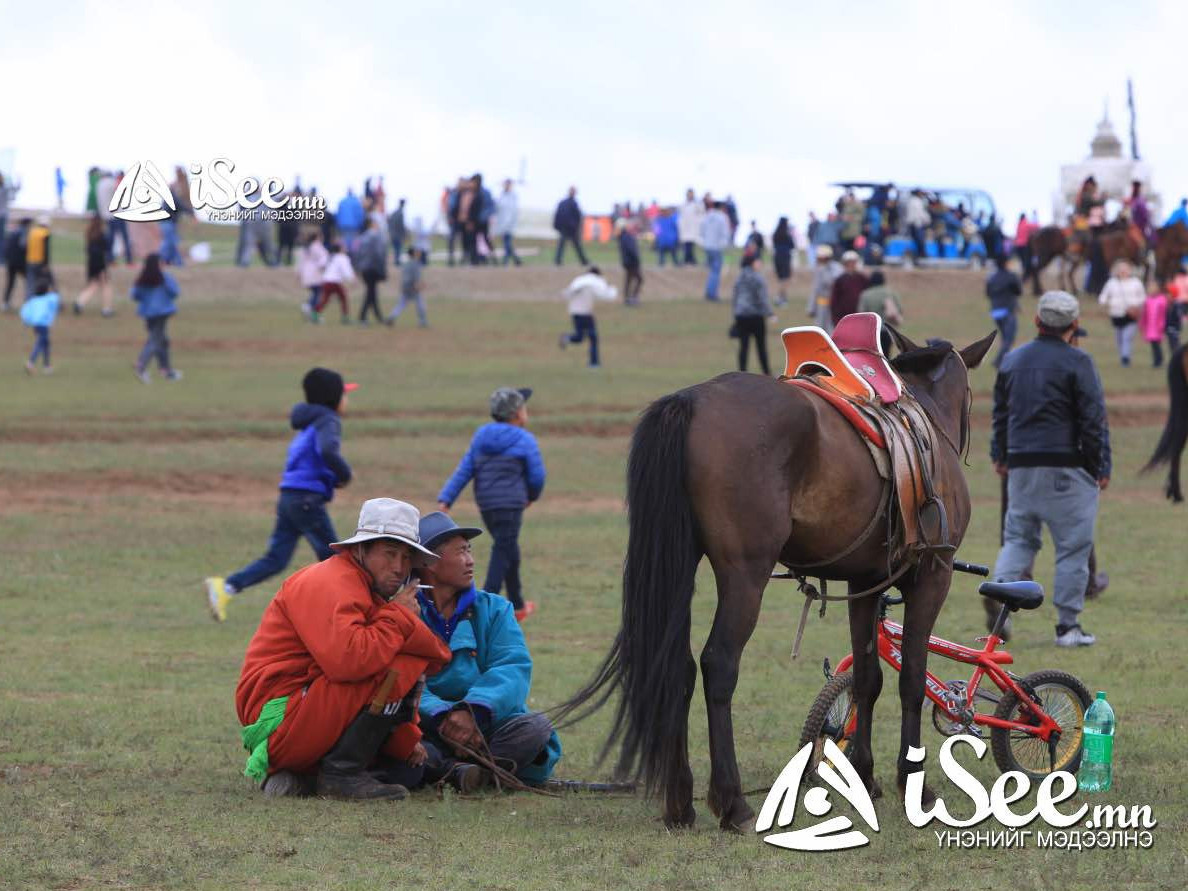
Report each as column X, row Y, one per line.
column 118, row 740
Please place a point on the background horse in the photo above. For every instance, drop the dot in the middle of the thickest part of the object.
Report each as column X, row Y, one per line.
column 1048, row 243
column 1171, row 246
column 752, row 472
column 1175, row 432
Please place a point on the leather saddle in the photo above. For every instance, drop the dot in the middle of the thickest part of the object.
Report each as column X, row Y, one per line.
column 851, row 372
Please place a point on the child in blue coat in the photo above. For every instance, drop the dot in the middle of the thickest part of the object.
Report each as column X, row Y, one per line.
column 155, row 293
column 39, row 312
column 509, row 474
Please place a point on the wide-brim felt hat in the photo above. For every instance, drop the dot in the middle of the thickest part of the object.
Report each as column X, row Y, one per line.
column 391, row 519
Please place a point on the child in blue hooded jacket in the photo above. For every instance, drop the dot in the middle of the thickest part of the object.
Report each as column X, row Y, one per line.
column 314, row 468
column 509, row 474
column 39, row 312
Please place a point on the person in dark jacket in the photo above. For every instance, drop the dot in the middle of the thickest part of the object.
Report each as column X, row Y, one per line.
column 14, row 257
column 782, row 246
column 568, row 223
column 1003, row 289
column 629, row 257
column 1051, row 441
column 509, row 474
column 847, row 288
column 371, row 261
column 752, row 308
column 397, row 231
column 314, row 468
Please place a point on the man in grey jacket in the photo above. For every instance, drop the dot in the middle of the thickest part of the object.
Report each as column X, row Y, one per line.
column 1051, row 441
column 397, row 231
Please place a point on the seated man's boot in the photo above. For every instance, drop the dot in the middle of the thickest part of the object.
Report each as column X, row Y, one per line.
column 461, row 775
column 343, row 770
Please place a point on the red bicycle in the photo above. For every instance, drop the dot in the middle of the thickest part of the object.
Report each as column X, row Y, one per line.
column 1035, row 721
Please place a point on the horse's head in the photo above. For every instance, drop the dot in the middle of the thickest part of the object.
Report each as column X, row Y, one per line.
column 938, row 376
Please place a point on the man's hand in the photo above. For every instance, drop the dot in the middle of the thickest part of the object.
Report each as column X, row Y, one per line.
column 418, row 756
column 443, row 507
column 407, row 595
column 1103, row 483
column 458, row 728
column 1000, row 469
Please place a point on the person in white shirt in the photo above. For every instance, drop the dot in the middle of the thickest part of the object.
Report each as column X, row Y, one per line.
column 337, row 273
column 689, row 225
column 1123, row 297
column 507, row 213
column 715, row 238
column 581, row 294
column 917, row 220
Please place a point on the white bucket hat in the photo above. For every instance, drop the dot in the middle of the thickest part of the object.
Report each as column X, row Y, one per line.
column 388, row 518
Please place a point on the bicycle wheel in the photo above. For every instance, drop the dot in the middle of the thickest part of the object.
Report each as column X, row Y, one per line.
column 832, row 711
column 1065, row 700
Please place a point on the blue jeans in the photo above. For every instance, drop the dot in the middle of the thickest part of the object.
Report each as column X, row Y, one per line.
column 398, row 250
column 584, row 328
column 40, row 345
column 1008, row 327
column 509, row 250
column 116, row 226
column 670, row 252
column 405, row 300
column 713, row 259
column 298, row 513
column 170, row 252
column 504, row 526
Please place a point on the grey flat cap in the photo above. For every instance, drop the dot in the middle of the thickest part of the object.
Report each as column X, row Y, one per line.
column 1058, row 309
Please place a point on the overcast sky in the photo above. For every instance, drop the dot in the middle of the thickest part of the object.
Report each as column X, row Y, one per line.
column 767, row 101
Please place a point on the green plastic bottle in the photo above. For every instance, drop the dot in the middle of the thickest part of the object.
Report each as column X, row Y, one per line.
column 1097, row 771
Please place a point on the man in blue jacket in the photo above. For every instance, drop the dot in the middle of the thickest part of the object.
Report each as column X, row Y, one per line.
column 478, row 701
column 314, row 468
column 509, row 474
column 1051, row 441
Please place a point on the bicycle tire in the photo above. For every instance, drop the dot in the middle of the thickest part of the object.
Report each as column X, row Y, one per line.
column 823, row 721
column 1060, row 692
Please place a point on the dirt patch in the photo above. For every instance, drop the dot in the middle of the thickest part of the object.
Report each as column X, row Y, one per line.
column 67, row 489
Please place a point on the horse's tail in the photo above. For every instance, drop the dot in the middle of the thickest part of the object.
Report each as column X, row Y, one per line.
column 650, row 662
column 1175, row 431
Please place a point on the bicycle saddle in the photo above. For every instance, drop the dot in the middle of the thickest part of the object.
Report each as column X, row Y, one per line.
column 1014, row 595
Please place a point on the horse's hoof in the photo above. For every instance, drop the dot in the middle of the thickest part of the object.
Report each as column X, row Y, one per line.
column 745, row 827
column 684, row 820
column 876, row 791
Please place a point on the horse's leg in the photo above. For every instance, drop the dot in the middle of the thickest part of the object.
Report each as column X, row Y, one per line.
column 868, row 682
column 678, row 798
column 1072, row 265
column 923, row 601
column 740, row 592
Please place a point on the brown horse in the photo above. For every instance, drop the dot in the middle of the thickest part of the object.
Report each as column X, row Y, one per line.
column 1175, row 432
column 752, row 472
column 1045, row 245
column 1118, row 241
column 1171, row 246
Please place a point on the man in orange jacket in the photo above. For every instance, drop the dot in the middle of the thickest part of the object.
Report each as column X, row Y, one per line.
column 323, row 653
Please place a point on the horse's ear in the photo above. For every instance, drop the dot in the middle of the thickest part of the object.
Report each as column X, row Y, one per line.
column 901, row 340
column 973, row 354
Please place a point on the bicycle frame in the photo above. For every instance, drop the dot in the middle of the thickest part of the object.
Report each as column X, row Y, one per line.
column 987, row 662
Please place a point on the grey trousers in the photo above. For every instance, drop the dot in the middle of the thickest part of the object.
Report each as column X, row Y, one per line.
column 157, row 344
column 1065, row 500
column 520, row 739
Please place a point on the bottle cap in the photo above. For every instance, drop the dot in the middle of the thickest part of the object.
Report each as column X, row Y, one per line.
column 1101, row 694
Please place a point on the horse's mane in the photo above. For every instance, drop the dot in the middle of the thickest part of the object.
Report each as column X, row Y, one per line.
column 923, row 359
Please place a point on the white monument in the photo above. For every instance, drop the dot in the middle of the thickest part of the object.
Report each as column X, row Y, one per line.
column 1113, row 171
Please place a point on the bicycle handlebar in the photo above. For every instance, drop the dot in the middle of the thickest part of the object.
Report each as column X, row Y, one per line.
column 959, row 566
column 971, row 568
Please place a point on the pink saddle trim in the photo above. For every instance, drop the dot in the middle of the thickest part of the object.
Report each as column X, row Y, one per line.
column 858, row 337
